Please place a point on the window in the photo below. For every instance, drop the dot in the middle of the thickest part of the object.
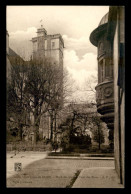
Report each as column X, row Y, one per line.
column 53, row 44
column 35, row 47
column 101, row 71
column 100, row 48
column 45, row 44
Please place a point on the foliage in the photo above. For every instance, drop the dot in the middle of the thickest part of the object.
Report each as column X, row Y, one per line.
column 80, row 120
column 12, row 136
column 81, row 140
column 75, row 125
column 98, row 134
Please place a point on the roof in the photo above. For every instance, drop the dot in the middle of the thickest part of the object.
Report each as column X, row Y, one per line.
column 104, row 19
column 12, row 53
column 98, row 32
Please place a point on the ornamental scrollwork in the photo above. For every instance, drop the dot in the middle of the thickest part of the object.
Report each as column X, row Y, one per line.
column 108, row 91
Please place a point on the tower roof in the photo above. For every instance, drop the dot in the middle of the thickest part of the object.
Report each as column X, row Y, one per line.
column 104, row 19
column 41, row 30
column 96, row 34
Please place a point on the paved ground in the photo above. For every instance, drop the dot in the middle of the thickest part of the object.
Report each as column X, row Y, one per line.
column 25, row 158
column 39, row 171
column 102, row 177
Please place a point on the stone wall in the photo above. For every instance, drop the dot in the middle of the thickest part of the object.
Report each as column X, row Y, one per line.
column 116, row 123
column 119, row 96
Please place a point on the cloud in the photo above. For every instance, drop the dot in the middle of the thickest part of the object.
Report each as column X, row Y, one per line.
column 21, row 35
column 81, row 45
column 88, row 61
column 20, row 42
column 75, row 21
column 82, row 71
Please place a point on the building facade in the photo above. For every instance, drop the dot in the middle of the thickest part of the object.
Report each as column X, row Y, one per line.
column 116, row 34
column 8, row 63
column 108, row 37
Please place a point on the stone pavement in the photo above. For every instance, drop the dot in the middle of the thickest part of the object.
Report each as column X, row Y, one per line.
column 25, row 158
column 98, row 177
column 40, row 170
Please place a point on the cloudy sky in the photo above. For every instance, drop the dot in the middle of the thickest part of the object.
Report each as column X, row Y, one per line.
column 74, row 23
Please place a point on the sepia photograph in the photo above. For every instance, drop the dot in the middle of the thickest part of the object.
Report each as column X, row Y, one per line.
column 65, row 96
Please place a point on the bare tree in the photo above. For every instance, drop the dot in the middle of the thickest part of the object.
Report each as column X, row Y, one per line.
column 57, row 106
column 88, row 89
column 15, row 90
column 43, row 89
column 36, row 86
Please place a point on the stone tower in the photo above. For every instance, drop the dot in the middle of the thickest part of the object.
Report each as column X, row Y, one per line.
column 105, row 87
column 48, row 46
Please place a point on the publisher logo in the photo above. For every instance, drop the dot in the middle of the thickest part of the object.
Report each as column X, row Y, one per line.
column 17, row 166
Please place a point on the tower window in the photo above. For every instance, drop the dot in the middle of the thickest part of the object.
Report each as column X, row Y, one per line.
column 100, row 48
column 53, row 44
column 101, row 71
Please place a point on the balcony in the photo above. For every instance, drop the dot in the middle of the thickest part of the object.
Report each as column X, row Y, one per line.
column 105, row 102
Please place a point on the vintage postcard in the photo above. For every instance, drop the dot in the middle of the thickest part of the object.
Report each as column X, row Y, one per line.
column 65, row 73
